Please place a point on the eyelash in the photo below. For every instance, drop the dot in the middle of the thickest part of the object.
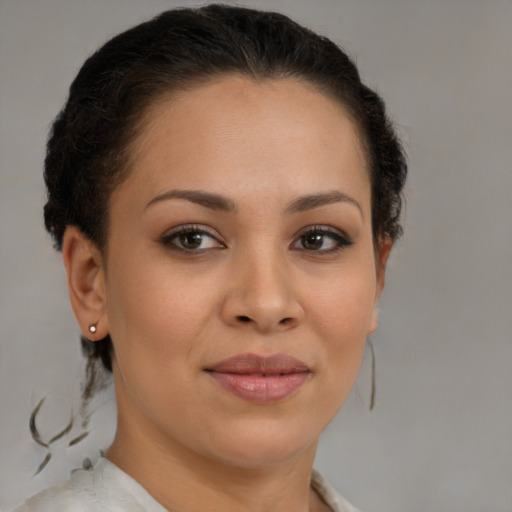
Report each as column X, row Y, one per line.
column 340, row 240
column 188, row 230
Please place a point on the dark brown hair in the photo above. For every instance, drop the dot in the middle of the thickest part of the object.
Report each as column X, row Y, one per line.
column 88, row 148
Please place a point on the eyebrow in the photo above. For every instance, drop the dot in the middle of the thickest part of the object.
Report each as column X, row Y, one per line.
column 206, row 199
column 219, row 202
column 311, row 201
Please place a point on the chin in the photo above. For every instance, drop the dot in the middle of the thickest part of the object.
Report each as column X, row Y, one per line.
column 254, row 459
column 264, row 446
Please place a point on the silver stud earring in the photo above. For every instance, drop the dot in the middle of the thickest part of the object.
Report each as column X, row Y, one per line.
column 92, row 328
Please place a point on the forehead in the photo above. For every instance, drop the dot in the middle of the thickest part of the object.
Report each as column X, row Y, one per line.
column 246, row 133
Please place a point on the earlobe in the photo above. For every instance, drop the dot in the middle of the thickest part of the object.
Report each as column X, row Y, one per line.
column 382, row 255
column 374, row 321
column 85, row 280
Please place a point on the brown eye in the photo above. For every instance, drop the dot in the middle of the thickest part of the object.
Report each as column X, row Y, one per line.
column 313, row 241
column 322, row 240
column 191, row 239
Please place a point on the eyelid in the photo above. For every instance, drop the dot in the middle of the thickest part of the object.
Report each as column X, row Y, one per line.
column 169, row 235
column 194, row 227
column 336, row 234
column 327, row 228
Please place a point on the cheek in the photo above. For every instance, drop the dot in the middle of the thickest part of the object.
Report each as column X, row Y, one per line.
column 343, row 307
column 156, row 319
column 158, row 314
column 342, row 316
column 158, row 306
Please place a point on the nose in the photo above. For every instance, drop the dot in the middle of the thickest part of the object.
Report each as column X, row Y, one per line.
column 262, row 295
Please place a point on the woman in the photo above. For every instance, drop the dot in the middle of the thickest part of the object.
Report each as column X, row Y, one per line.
column 225, row 192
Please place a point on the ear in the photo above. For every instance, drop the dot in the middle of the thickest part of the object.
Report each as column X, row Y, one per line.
column 381, row 259
column 86, row 282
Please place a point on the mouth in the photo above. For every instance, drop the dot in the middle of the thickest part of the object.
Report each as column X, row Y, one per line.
column 260, row 379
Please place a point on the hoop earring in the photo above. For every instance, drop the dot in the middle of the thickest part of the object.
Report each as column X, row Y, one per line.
column 373, row 387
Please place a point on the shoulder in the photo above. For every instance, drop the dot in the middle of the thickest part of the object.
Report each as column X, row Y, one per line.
column 329, row 495
column 74, row 495
column 104, row 488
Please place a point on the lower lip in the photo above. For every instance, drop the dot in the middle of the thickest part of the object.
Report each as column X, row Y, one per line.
column 261, row 389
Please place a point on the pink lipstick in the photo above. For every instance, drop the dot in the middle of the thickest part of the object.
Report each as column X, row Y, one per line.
column 260, row 379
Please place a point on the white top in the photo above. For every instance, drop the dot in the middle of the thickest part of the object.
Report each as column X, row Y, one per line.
column 107, row 488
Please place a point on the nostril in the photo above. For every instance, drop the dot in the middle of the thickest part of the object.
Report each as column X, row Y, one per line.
column 285, row 321
column 244, row 319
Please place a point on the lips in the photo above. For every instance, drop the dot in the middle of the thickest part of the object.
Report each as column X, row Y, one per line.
column 260, row 379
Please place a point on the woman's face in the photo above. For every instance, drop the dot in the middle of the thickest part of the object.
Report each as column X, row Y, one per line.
column 241, row 279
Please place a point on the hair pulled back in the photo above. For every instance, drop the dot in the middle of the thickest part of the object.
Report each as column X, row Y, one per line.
column 88, row 149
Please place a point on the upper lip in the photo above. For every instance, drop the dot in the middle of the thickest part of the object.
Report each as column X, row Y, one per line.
column 253, row 364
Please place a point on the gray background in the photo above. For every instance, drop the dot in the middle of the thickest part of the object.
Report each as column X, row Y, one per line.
column 440, row 437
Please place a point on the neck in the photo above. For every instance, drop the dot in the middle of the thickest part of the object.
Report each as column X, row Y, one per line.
column 184, row 481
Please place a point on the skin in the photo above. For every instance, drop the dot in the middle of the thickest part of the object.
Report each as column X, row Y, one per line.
column 253, row 286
